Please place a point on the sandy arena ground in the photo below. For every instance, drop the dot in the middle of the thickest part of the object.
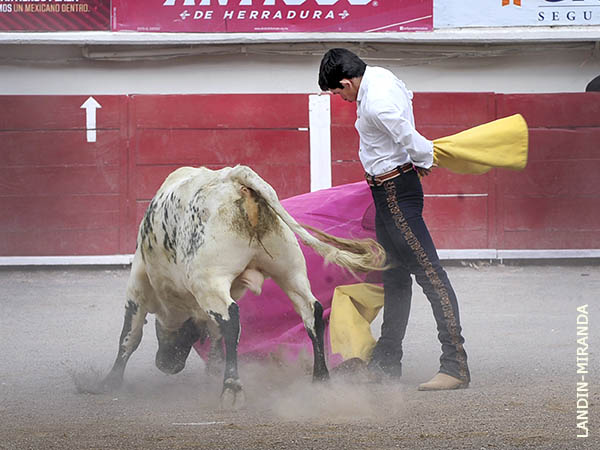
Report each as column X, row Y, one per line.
column 520, row 329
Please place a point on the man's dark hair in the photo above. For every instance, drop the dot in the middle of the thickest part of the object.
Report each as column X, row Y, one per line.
column 337, row 64
column 593, row 85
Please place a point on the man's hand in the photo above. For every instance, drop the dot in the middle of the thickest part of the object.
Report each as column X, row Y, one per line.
column 422, row 171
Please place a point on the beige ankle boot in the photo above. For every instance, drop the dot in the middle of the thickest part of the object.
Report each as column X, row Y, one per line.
column 442, row 382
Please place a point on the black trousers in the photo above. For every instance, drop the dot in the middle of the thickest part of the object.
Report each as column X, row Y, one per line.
column 401, row 230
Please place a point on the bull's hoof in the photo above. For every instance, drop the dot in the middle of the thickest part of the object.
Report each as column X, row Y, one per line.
column 111, row 383
column 93, row 384
column 86, row 384
column 233, row 397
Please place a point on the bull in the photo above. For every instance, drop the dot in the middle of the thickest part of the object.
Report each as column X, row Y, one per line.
column 206, row 237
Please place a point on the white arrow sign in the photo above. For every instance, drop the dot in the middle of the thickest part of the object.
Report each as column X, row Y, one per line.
column 90, row 106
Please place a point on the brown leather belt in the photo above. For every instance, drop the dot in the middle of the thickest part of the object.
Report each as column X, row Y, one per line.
column 378, row 180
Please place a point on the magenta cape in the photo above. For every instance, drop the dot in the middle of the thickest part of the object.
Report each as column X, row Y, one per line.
column 269, row 323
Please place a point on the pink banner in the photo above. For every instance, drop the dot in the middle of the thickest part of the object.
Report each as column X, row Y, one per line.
column 54, row 15
column 249, row 16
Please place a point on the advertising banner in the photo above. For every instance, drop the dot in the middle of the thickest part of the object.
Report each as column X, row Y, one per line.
column 506, row 13
column 243, row 16
column 54, row 15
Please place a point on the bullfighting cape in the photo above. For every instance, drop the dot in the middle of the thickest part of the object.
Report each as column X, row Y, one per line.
column 353, row 308
column 502, row 143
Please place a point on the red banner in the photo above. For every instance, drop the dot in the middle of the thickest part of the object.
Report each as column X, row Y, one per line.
column 239, row 16
column 54, row 15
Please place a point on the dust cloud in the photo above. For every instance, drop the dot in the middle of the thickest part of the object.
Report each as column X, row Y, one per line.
column 87, row 380
column 287, row 392
column 280, row 390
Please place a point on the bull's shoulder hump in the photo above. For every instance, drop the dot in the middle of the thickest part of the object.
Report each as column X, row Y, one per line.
column 180, row 174
column 197, row 176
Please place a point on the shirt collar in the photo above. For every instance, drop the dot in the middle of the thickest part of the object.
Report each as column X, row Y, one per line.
column 364, row 84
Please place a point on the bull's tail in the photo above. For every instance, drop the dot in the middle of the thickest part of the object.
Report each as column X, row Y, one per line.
column 356, row 255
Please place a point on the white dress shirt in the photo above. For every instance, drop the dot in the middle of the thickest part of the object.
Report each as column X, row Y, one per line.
column 386, row 124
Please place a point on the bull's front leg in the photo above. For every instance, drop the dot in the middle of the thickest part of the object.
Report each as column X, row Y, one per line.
column 131, row 335
column 229, row 324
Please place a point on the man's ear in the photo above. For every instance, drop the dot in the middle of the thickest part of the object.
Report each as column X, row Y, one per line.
column 345, row 82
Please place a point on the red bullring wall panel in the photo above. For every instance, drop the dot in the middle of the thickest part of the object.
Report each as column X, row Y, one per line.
column 62, row 195
column 554, row 202
column 59, row 194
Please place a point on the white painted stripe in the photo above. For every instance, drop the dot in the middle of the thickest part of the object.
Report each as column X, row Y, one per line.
column 91, row 260
column 399, row 23
column 319, row 122
column 196, row 423
column 481, row 253
column 476, row 253
column 549, row 254
column 456, row 195
column 488, row 253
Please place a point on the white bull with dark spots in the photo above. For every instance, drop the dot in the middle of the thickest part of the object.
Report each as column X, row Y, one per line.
column 206, row 237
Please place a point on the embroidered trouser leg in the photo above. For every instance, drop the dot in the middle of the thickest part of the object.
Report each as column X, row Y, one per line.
column 401, row 230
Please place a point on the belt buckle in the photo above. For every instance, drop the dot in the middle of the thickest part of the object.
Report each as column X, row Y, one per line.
column 371, row 180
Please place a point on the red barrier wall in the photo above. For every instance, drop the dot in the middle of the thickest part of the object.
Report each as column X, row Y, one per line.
column 555, row 202
column 62, row 195
column 59, row 194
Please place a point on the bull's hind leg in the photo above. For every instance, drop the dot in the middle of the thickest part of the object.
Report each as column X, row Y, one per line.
column 217, row 302
column 216, row 357
column 232, row 395
column 297, row 287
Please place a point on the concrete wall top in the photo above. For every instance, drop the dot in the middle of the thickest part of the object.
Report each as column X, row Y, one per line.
column 464, row 35
column 287, row 68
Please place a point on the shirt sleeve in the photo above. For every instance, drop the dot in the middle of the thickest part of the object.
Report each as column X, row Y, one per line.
column 390, row 119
